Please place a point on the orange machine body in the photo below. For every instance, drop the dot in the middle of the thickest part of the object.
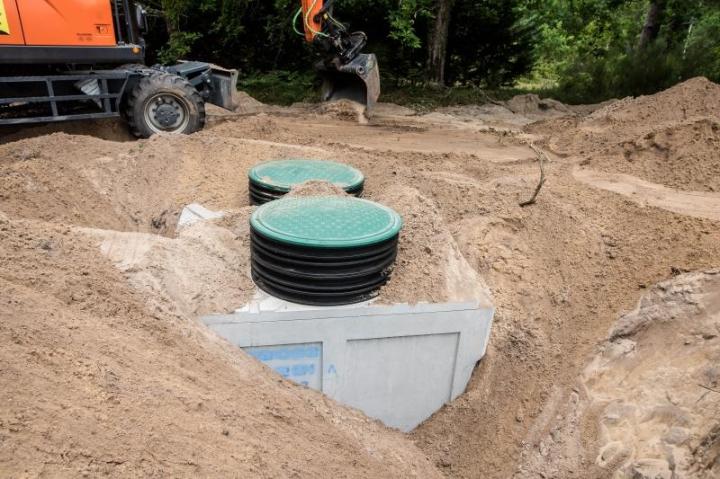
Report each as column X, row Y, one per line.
column 310, row 8
column 71, row 23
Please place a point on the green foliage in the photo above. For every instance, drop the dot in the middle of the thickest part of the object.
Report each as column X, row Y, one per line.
column 281, row 87
column 403, row 19
column 701, row 50
column 489, row 43
column 589, row 48
column 424, row 98
column 584, row 50
column 179, row 46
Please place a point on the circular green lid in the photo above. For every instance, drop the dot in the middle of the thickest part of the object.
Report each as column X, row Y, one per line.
column 326, row 221
column 282, row 175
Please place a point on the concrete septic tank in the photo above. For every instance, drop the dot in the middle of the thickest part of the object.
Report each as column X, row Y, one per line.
column 396, row 363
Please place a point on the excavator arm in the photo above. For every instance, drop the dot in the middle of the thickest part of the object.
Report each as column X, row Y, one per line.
column 347, row 72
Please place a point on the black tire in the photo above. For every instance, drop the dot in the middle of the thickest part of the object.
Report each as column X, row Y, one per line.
column 164, row 103
column 133, row 67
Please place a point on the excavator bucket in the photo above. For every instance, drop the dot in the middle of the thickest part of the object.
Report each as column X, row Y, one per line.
column 357, row 80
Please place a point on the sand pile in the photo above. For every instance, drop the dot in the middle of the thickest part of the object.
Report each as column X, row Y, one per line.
column 317, row 188
column 651, row 392
column 511, row 115
column 246, row 104
column 670, row 138
column 429, row 267
column 682, row 156
column 97, row 381
column 534, row 107
column 203, row 270
column 630, row 119
column 694, row 98
column 109, row 129
column 346, row 110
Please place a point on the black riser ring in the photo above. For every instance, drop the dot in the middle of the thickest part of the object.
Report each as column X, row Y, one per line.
column 338, row 286
column 302, row 262
column 307, row 253
column 302, row 298
column 320, row 274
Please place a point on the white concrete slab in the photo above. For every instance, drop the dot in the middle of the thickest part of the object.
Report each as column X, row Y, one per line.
column 397, row 363
column 195, row 212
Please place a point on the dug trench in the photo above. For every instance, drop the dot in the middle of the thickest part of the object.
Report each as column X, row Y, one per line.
column 106, row 369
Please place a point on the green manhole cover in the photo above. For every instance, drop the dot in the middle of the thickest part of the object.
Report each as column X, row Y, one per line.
column 326, row 221
column 282, row 175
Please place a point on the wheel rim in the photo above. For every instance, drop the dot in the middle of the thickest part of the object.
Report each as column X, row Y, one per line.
column 166, row 113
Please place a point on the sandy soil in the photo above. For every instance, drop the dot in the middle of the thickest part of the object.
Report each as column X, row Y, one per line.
column 647, row 395
column 106, row 371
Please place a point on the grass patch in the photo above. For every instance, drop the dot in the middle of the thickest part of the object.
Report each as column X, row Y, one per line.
column 286, row 88
column 281, row 87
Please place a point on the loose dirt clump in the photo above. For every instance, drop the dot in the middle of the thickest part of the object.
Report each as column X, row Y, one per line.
column 534, row 107
column 344, row 110
column 317, row 188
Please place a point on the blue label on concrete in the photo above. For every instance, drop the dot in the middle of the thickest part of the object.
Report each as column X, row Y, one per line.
column 301, row 363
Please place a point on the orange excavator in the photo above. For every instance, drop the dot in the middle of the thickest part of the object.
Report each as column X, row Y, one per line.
column 83, row 59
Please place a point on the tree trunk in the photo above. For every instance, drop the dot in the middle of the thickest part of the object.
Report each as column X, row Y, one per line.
column 652, row 23
column 437, row 47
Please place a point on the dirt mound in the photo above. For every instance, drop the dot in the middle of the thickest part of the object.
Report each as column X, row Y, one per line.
column 651, row 390
column 682, row 156
column 110, row 129
column 316, row 188
column 140, row 186
column 517, row 112
column 346, row 110
column 429, row 267
column 97, row 382
column 697, row 97
column 246, row 104
column 632, row 118
column 669, row 138
column 38, row 180
column 533, row 106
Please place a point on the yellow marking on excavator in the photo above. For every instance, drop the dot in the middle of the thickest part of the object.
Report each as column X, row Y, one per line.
column 4, row 25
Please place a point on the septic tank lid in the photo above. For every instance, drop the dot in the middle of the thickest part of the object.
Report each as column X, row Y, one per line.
column 326, row 221
column 282, row 175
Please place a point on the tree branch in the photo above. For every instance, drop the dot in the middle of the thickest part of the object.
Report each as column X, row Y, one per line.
column 709, row 389
column 542, row 157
